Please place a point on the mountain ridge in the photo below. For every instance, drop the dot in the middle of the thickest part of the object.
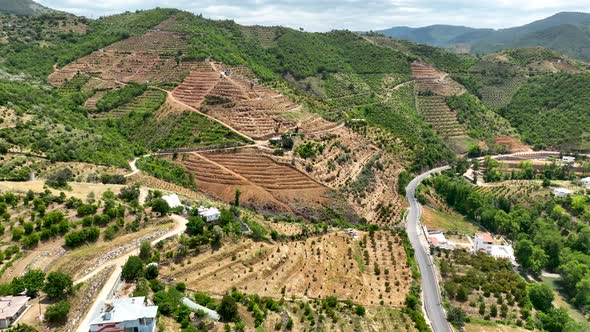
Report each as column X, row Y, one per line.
column 24, row 8
column 563, row 32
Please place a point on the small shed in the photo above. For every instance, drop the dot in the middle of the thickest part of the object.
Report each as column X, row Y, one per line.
column 211, row 314
column 561, row 192
column 585, row 182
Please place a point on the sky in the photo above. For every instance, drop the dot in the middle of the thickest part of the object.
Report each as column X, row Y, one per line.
column 356, row 15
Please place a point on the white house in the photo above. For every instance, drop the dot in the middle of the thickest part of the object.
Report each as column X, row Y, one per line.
column 209, row 214
column 125, row 314
column 11, row 309
column 484, row 242
column 173, row 201
column 585, row 182
column 561, row 192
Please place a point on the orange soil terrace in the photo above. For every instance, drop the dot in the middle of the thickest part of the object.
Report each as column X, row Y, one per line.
column 331, row 264
column 263, row 183
column 249, row 107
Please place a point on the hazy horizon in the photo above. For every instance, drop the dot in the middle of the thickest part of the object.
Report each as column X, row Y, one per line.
column 325, row 15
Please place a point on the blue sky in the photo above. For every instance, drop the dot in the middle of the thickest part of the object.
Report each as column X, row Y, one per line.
column 325, row 15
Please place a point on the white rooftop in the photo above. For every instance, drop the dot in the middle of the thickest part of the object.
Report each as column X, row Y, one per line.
column 173, row 200
column 562, row 191
column 122, row 310
column 208, row 211
column 11, row 305
column 503, row 252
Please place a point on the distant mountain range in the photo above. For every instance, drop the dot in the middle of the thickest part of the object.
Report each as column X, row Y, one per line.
column 23, row 7
column 566, row 32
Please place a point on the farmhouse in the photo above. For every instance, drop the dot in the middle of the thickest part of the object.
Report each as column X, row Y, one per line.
column 125, row 314
column 209, row 214
column 585, row 182
column 173, row 201
column 484, row 242
column 11, row 308
column 561, row 192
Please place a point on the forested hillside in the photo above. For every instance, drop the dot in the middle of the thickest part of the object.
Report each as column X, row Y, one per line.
column 551, row 111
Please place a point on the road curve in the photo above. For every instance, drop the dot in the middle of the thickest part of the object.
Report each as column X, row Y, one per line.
column 84, row 325
column 430, row 291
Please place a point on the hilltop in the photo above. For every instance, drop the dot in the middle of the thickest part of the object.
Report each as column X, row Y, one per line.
column 24, row 7
column 566, row 32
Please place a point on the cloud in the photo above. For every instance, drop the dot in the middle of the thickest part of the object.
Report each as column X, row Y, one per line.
column 325, row 15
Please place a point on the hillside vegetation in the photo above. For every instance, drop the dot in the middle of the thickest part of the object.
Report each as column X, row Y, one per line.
column 551, row 111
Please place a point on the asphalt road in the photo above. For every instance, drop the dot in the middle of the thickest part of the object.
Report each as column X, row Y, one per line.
column 430, row 291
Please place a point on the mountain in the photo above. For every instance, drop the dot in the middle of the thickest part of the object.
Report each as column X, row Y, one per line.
column 567, row 32
column 23, row 7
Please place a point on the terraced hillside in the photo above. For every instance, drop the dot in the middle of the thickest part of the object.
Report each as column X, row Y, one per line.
column 432, row 87
column 150, row 100
column 264, row 183
column 236, row 100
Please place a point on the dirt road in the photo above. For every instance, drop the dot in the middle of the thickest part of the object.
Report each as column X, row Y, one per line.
column 179, row 228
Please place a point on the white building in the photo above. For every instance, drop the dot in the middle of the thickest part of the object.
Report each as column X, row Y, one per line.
column 11, row 308
column 561, row 192
column 568, row 159
column 484, row 242
column 209, row 214
column 173, row 201
column 438, row 240
column 585, row 182
column 122, row 315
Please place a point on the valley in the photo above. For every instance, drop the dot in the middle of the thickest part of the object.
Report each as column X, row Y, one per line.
column 265, row 178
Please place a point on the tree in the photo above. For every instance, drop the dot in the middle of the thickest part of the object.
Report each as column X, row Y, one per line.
column 531, row 257
column 58, row 313
column 58, row 285
column 238, row 193
column 132, row 269
column 145, row 250
column 151, row 272
column 161, row 206
column 583, row 292
column 360, row 310
column 228, row 309
column 456, row 316
column 541, row 296
column 33, row 281
column 554, row 320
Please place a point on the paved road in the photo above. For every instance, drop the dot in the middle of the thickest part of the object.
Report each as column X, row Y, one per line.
column 431, row 293
column 84, row 325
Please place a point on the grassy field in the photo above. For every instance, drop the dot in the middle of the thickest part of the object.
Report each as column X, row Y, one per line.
column 437, row 220
column 474, row 327
column 560, row 301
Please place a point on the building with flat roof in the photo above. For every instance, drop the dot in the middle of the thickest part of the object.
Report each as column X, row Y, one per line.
column 484, row 242
column 124, row 315
column 209, row 214
column 11, row 308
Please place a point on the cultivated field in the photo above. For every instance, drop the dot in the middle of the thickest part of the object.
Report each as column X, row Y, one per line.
column 366, row 271
column 264, row 183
